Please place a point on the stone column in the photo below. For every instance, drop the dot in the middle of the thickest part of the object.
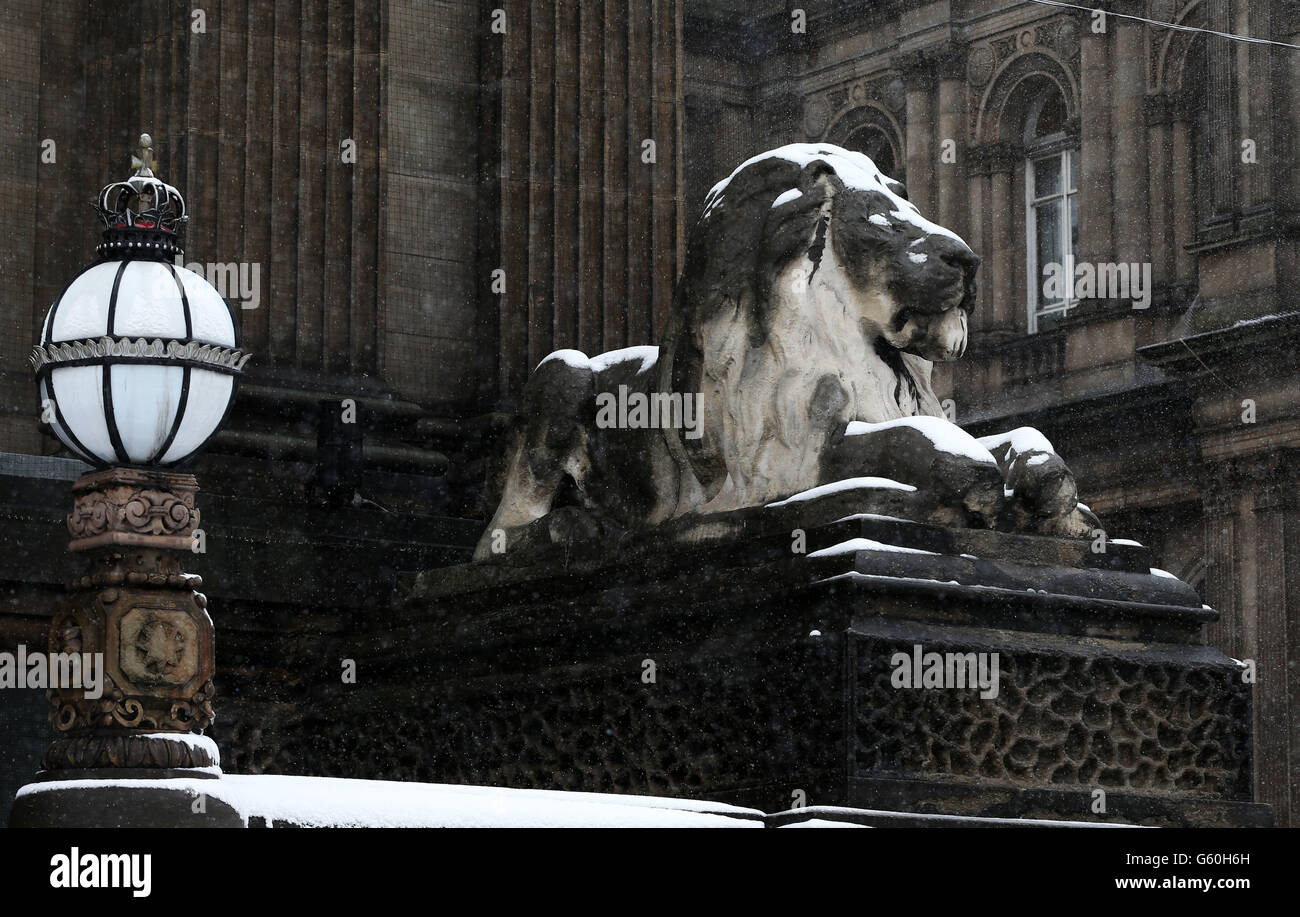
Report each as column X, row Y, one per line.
column 1222, row 510
column 1095, row 202
column 583, row 116
column 1277, row 688
column 1258, row 107
column 1129, row 164
column 917, row 70
column 1159, row 193
column 1182, row 169
column 1223, row 139
column 976, row 189
column 1003, row 235
column 950, row 65
column 1288, row 133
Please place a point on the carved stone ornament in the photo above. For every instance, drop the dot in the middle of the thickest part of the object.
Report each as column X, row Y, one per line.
column 139, row 620
column 980, row 64
column 816, row 117
column 894, row 95
column 130, row 506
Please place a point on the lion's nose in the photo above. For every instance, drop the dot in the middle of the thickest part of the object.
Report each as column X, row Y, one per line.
column 957, row 254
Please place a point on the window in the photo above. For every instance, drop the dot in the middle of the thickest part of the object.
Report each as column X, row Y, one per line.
column 873, row 141
column 1052, row 218
column 1051, row 212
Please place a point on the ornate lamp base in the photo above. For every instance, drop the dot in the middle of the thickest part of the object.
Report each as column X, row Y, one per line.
column 138, row 621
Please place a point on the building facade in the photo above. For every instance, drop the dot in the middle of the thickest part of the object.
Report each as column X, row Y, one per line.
column 437, row 194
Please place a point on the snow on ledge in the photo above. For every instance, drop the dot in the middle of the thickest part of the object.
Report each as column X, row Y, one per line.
column 865, row 544
column 875, row 517
column 1021, row 439
column 855, row 576
column 945, row 435
column 196, row 742
column 834, row 487
column 815, row 811
column 647, row 354
column 822, row 823
column 333, row 802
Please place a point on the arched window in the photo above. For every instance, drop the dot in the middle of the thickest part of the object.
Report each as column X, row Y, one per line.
column 872, row 140
column 1051, row 209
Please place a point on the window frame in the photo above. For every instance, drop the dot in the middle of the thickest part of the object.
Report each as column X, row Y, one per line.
column 1061, row 150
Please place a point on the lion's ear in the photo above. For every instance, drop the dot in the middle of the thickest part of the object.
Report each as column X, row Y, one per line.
column 819, row 174
column 897, row 187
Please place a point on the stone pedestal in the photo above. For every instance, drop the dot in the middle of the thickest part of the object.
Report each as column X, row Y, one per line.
column 140, row 620
column 144, row 616
column 715, row 662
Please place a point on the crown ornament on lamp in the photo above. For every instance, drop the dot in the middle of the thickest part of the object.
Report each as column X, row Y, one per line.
column 138, row 359
column 143, row 212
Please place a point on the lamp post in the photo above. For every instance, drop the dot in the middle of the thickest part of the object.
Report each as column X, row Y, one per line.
column 137, row 368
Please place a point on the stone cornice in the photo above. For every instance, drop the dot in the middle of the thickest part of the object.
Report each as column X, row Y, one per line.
column 1196, row 355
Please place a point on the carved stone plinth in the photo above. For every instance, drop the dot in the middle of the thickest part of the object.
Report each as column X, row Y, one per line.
column 138, row 612
column 726, row 666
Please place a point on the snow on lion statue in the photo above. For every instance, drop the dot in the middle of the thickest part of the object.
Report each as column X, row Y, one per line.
column 813, row 301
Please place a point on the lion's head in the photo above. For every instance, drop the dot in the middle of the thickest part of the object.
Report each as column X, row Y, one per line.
column 813, row 290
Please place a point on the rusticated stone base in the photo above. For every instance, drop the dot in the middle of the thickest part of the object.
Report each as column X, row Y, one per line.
column 735, row 671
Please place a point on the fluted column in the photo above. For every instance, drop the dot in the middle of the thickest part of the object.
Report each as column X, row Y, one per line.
column 1289, row 129
column 1222, row 509
column 1002, row 236
column 1223, row 135
column 584, row 139
column 1095, row 202
column 1129, row 164
column 1257, row 72
column 951, row 191
column 977, row 180
column 1160, row 195
column 1182, row 171
column 993, row 235
column 1277, row 695
column 918, row 77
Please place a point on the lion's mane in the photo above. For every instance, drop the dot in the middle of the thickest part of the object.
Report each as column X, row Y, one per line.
column 753, row 227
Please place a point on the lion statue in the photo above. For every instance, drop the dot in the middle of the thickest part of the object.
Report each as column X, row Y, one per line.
column 814, row 300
